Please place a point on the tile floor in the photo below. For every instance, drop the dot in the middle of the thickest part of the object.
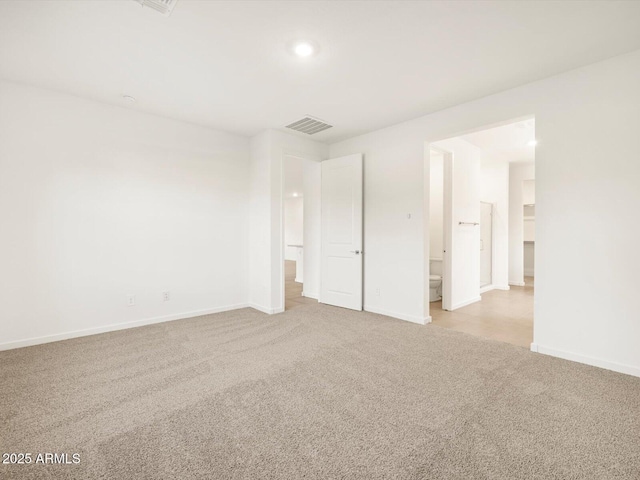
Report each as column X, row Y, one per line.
column 506, row 316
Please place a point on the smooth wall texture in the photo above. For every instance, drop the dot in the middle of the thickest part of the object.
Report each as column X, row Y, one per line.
column 260, row 235
column 293, row 226
column 494, row 188
column 586, row 278
column 312, row 178
column 100, row 202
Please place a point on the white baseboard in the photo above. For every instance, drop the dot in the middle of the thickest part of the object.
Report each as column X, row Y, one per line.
column 399, row 316
column 529, row 273
column 465, row 303
column 517, row 284
column 115, row 326
column 310, row 295
column 268, row 311
column 488, row 288
column 298, row 280
column 595, row 362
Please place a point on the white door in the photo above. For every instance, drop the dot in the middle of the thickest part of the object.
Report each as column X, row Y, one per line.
column 341, row 213
column 486, row 243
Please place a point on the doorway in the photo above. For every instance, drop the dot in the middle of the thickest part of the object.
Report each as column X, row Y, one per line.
column 491, row 232
column 300, row 205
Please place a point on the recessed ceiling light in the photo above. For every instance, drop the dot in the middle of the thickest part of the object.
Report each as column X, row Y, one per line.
column 303, row 49
column 129, row 98
column 532, row 143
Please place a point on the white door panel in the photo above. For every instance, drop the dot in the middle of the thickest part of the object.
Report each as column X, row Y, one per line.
column 341, row 276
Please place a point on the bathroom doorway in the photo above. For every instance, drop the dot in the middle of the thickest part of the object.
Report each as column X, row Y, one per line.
column 490, row 228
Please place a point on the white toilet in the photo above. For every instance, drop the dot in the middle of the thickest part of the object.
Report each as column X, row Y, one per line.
column 435, row 288
column 435, row 279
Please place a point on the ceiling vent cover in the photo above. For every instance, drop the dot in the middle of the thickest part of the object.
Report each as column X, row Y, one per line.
column 165, row 7
column 309, row 125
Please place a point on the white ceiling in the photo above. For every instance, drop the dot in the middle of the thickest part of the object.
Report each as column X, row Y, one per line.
column 509, row 141
column 225, row 64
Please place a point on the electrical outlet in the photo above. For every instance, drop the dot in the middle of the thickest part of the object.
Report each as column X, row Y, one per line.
column 131, row 300
column 166, row 296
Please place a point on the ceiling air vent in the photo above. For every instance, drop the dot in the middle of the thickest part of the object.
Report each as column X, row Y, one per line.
column 309, row 125
column 165, row 7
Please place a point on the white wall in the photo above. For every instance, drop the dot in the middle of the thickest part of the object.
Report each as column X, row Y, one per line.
column 575, row 189
column 260, row 224
column 494, row 188
column 293, row 226
column 529, row 192
column 464, row 253
column 98, row 202
column 436, row 199
column 518, row 173
column 267, row 230
column 312, row 177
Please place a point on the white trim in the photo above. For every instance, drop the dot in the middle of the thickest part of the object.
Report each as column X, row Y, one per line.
column 310, row 295
column 268, row 311
column 529, row 272
column 399, row 316
column 116, row 326
column 468, row 302
column 595, row 362
column 517, row 284
column 487, row 288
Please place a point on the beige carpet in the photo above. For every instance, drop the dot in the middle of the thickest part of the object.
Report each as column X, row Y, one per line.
column 317, row 392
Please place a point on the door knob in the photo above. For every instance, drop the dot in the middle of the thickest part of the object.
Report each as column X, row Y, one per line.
column 357, row 252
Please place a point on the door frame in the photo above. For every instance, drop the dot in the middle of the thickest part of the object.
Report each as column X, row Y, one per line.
column 280, row 268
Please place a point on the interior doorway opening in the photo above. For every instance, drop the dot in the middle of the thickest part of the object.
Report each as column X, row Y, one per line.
column 300, row 214
column 482, row 232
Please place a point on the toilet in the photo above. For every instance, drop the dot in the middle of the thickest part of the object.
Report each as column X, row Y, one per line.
column 435, row 288
column 435, row 279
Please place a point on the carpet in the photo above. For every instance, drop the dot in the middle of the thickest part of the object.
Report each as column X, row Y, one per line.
column 316, row 392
